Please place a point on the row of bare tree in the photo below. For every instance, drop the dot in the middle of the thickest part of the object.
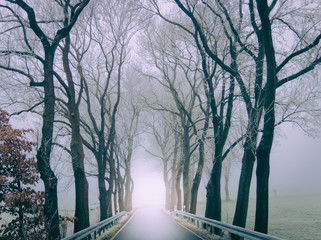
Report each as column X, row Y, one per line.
column 74, row 55
column 240, row 64
column 208, row 77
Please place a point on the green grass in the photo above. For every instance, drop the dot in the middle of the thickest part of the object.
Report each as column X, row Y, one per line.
column 289, row 217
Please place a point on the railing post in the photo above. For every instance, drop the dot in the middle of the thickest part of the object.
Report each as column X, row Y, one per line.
column 204, row 226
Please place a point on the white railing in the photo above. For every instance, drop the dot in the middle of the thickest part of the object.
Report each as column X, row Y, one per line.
column 211, row 224
column 91, row 232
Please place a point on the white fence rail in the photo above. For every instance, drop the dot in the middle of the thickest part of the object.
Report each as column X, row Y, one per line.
column 91, row 232
column 211, row 224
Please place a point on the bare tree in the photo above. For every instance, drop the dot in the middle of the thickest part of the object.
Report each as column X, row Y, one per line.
column 264, row 98
column 221, row 113
column 49, row 45
column 71, row 112
column 126, row 135
column 101, row 71
column 236, row 28
column 163, row 134
column 172, row 70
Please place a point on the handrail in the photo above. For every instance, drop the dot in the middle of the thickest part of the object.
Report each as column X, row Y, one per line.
column 101, row 226
column 229, row 228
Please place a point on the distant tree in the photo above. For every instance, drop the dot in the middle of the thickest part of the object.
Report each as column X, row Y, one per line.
column 163, row 135
column 126, row 135
column 17, row 175
column 176, row 77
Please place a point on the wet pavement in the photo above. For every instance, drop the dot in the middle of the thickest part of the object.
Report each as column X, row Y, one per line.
column 151, row 223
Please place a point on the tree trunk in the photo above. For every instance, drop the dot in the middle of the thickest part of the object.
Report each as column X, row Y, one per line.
column 242, row 202
column 174, row 173
column 121, row 199
column 81, row 208
column 128, row 193
column 43, row 154
column 120, row 188
column 116, row 207
column 186, row 167
column 249, row 157
column 197, row 178
column 112, row 176
column 21, row 230
column 110, row 190
column 76, row 148
column 213, row 196
column 199, row 171
column 262, row 191
column 102, row 194
column 264, row 148
column 178, row 189
column 109, row 200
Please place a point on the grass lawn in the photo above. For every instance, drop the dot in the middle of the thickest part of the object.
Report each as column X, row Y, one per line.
column 290, row 217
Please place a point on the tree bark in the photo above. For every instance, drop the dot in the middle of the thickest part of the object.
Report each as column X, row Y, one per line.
column 244, row 185
column 213, row 196
column 174, row 173
column 43, row 154
column 128, row 192
column 44, row 151
column 197, row 178
column 265, row 145
column 112, row 174
column 120, row 187
column 76, row 148
column 254, row 118
column 21, row 230
column 102, row 193
column 178, row 188
column 213, row 188
column 109, row 196
column 186, row 167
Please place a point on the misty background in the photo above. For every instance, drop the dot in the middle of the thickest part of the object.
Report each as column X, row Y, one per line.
column 295, row 171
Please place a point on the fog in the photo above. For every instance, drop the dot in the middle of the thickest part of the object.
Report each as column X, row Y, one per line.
column 295, row 170
column 296, row 163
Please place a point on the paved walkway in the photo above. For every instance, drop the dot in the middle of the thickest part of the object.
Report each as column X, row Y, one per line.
column 152, row 224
